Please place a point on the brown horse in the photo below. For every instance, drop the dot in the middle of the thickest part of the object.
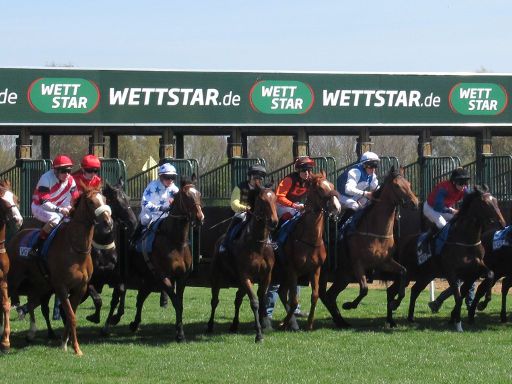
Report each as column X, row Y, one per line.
column 304, row 249
column 8, row 212
column 169, row 264
column 249, row 261
column 460, row 258
column 370, row 245
column 69, row 265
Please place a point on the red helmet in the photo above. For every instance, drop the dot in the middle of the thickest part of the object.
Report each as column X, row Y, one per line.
column 90, row 161
column 304, row 162
column 62, row 161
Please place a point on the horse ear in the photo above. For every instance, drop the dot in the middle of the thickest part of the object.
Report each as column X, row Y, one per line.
column 324, row 175
column 401, row 170
column 193, row 178
column 120, row 182
column 485, row 187
column 269, row 185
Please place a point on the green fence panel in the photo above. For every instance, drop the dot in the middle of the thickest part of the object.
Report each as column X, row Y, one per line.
column 24, row 177
column 112, row 170
column 497, row 174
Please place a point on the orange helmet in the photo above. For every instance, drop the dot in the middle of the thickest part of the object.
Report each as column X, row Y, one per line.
column 62, row 161
column 90, row 161
column 304, row 162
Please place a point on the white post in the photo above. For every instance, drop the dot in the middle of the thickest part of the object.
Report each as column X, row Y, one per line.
column 432, row 290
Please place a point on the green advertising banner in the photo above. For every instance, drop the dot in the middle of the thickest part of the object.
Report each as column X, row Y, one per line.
column 130, row 97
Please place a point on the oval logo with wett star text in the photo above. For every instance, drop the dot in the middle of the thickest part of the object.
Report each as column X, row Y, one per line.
column 63, row 95
column 478, row 99
column 281, row 97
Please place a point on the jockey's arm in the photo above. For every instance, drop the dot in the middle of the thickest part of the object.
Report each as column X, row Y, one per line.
column 44, row 196
column 236, row 205
column 146, row 201
column 439, row 202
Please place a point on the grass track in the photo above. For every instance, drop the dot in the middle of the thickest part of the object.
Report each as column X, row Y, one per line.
column 427, row 351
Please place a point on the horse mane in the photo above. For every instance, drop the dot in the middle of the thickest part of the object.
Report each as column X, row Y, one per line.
column 392, row 174
column 88, row 192
column 186, row 180
column 468, row 199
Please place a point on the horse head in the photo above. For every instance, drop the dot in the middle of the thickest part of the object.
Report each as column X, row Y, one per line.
column 8, row 205
column 398, row 188
column 119, row 202
column 483, row 206
column 264, row 202
column 322, row 195
column 91, row 207
column 188, row 201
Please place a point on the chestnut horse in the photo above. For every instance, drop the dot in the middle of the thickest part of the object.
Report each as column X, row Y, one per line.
column 169, row 264
column 461, row 257
column 370, row 244
column 304, row 249
column 8, row 212
column 250, row 260
column 69, row 263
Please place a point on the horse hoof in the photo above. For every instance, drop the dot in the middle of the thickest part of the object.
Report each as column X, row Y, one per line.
column 259, row 339
column 52, row 335
column 114, row 320
column 458, row 327
column 293, row 325
column 233, row 328
column 180, row 338
column 411, row 320
column 392, row 324
column 348, row 305
column 134, row 327
column 503, row 319
column 79, row 353
column 341, row 323
column 266, row 324
column 104, row 332
column 5, row 347
column 481, row 306
column 95, row 319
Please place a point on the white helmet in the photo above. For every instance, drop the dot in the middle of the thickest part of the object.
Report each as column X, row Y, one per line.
column 369, row 156
column 167, row 169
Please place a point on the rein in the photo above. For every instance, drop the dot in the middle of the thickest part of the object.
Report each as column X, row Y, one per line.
column 371, row 234
column 463, row 244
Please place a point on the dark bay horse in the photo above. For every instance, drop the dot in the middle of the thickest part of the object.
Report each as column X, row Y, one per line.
column 500, row 262
column 304, row 248
column 168, row 265
column 105, row 256
column 460, row 258
column 8, row 212
column 370, row 245
column 69, row 262
column 250, row 260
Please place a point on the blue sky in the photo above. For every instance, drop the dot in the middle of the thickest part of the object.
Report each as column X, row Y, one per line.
column 355, row 36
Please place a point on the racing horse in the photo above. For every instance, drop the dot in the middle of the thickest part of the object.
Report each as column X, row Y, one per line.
column 69, row 264
column 370, row 244
column 169, row 264
column 304, row 249
column 248, row 260
column 8, row 212
column 461, row 256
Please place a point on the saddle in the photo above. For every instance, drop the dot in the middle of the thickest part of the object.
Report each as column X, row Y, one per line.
column 29, row 240
column 145, row 242
column 427, row 242
column 282, row 234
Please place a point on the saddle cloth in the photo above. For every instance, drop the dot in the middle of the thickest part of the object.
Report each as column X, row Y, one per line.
column 283, row 233
column 145, row 242
column 423, row 246
column 502, row 238
column 28, row 241
column 349, row 226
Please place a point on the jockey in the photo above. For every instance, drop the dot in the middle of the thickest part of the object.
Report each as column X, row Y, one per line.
column 439, row 207
column 158, row 195
column 52, row 198
column 87, row 175
column 240, row 200
column 292, row 190
column 291, row 194
column 357, row 184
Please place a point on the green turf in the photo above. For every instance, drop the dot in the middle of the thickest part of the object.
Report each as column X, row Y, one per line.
column 426, row 352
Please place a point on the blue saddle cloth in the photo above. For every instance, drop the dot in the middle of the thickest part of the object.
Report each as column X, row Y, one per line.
column 283, row 233
column 502, row 238
column 349, row 226
column 423, row 247
column 234, row 233
column 145, row 242
column 28, row 241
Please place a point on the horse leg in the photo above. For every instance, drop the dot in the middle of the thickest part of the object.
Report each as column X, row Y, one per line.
column 114, row 301
column 255, row 306
column 293, row 302
column 488, row 297
column 455, row 314
column 314, row 298
column 329, row 299
column 213, row 303
column 5, row 343
column 178, row 306
column 120, row 294
column 283, row 293
column 96, row 298
column 45, row 310
column 482, row 290
column 394, row 267
column 240, row 293
column 363, row 288
column 505, row 286
column 392, row 303
column 262, row 290
column 70, row 306
column 416, row 289
column 142, row 295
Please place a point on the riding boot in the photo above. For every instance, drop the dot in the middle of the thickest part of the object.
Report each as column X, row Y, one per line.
column 346, row 215
column 34, row 253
